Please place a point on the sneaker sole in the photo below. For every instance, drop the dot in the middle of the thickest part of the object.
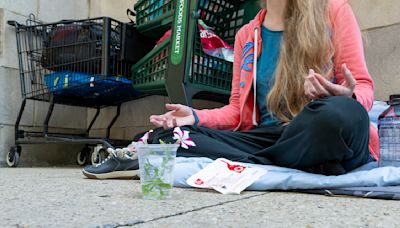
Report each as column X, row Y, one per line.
column 112, row 175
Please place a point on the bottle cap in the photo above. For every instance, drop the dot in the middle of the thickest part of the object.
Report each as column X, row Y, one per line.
column 394, row 99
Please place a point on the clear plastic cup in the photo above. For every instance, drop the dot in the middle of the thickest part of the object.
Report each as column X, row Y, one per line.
column 156, row 168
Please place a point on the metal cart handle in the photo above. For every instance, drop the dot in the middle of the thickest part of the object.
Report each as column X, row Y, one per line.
column 130, row 13
column 14, row 24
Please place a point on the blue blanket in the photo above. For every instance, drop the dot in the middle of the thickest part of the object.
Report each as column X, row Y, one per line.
column 278, row 178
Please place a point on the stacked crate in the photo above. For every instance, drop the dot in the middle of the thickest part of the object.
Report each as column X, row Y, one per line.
column 178, row 67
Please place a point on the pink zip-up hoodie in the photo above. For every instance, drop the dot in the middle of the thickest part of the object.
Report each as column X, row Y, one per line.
column 242, row 114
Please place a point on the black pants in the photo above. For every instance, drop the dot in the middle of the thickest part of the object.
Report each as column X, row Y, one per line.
column 330, row 136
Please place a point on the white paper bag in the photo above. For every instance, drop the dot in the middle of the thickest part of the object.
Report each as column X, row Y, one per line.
column 226, row 176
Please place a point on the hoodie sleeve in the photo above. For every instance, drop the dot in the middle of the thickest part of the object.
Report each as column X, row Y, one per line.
column 227, row 117
column 349, row 49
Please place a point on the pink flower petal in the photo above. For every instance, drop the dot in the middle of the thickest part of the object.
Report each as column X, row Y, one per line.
column 178, row 131
column 189, row 143
column 183, row 145
column 145, row 137
column 185, row 135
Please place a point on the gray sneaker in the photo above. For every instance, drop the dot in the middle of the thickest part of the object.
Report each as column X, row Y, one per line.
column 120, row 163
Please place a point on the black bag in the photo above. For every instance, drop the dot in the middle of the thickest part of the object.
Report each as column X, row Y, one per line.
column 134, row 44
column 77, row 46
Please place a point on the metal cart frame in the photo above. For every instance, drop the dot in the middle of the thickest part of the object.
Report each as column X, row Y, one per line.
column 24, row 137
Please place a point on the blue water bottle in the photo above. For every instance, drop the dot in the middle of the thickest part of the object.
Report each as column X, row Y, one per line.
column 389, row 133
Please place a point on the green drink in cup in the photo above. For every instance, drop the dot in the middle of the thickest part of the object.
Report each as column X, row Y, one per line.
column 157, row 162
column 156, row 167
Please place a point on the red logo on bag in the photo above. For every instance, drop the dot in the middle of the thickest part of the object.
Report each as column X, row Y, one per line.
column 235, row 168
column 199, row 182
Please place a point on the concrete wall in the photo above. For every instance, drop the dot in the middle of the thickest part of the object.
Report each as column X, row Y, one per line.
column 379, row 20
column 114, row 8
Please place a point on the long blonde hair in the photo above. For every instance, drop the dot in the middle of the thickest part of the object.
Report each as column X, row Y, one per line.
column 306, row 45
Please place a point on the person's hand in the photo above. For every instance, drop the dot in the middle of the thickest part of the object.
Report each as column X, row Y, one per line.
column 316, row 86
column 313, row 89
column 179, row 115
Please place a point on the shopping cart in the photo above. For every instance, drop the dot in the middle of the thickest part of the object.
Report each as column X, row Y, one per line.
column 75, row 62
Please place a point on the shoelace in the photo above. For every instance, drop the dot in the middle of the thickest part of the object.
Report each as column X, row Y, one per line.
column 110, row 154
column 124, row 153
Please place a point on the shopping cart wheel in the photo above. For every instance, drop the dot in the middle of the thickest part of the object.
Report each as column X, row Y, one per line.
column 98, row 156
column 83, row 156
column 13, row 156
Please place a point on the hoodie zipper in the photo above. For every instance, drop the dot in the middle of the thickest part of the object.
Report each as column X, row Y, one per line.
column 255, row 76
column 254, row 114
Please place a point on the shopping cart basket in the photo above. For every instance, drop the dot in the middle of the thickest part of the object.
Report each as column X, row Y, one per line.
column 80, row 63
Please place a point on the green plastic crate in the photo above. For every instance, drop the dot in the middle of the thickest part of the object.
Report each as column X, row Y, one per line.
column 154, row 17
column 199, row 73
column 149, row 73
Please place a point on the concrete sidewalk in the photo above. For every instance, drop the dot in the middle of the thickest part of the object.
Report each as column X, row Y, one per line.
column 62, row 197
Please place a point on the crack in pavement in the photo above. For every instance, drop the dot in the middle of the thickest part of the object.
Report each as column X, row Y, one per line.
column 138, row 222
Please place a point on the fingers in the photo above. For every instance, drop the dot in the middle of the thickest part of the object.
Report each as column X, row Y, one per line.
column 350, row 80
column 156, row 123
column 165, row 123
column 169, row 123
column 334, row 89
column 320, row 90
column 170, row 119
column 173, row 107
column 157, row 117
column 316, row 86
column 309, row 90
column 157, row 120
column 329, row 86
column 312, row 88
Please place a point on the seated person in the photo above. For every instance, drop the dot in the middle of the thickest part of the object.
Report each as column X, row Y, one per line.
column 300, row 95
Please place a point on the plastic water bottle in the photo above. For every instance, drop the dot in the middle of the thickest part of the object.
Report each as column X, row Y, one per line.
column 389, row 133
